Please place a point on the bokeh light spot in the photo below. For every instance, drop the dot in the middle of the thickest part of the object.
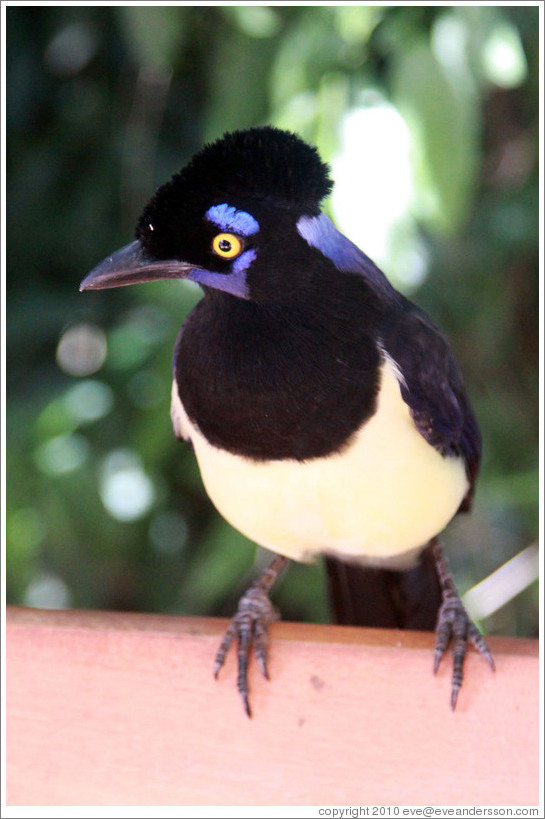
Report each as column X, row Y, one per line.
column 82, row 349
column 88, row 401
column 125, row 489
column 71, row 49
column 62, row 454
column 503, row 57
column 47, row 591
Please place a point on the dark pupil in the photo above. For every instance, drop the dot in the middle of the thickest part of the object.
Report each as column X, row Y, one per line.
column 225, row 245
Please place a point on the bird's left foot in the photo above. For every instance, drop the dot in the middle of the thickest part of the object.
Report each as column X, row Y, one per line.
column 250, row 626
column 453, row 622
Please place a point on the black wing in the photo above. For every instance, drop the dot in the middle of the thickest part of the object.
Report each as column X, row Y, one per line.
column 435, row 394
column 432, row 387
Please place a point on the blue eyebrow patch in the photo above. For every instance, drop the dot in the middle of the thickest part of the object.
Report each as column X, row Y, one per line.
column 226, row 217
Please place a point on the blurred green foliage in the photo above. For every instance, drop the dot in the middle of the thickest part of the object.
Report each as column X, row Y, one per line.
column 104, row 103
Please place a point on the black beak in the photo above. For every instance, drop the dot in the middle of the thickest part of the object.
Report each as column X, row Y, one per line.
column 131, row 265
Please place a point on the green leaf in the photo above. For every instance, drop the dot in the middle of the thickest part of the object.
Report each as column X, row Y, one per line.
column 440, row 108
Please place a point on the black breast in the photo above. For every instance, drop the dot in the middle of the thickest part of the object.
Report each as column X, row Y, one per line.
column 280, row 381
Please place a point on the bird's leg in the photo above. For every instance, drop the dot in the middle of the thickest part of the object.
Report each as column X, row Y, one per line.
column 453, row 623
column 250, row 625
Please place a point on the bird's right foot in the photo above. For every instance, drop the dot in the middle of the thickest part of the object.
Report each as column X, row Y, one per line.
column 250, row 626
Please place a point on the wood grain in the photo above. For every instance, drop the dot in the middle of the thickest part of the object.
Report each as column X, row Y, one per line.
column 122, row 709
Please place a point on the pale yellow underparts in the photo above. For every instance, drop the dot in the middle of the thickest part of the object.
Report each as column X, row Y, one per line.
column 377, row 502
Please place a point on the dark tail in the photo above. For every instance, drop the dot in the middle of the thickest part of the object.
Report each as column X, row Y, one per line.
column 381, row 598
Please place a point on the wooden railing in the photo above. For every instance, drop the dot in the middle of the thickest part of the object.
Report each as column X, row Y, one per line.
column 122, row 709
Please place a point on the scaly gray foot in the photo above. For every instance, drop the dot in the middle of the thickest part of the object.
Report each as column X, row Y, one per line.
column 453, row 623
column 250, row 626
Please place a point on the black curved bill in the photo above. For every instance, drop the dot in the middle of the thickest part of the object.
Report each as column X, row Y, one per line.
column 131, row 265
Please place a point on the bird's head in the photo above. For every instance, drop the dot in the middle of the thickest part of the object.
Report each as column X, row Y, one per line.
column 242, row 217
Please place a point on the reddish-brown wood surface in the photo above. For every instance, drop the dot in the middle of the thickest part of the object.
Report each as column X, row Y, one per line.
column 114, row 709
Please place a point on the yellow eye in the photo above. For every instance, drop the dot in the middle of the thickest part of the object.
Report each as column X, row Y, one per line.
column 227, row 245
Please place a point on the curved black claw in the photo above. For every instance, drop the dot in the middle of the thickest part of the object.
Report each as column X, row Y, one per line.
column 250, row 626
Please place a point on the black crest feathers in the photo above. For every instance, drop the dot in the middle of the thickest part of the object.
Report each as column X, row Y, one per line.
column 261, row 164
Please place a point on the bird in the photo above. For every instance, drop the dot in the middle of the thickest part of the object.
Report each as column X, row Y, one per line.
column 326, row 411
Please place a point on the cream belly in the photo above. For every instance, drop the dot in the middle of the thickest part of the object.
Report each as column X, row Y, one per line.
column 378, row 501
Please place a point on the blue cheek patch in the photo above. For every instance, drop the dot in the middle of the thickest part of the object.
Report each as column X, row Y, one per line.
column 229, row 218
column 243, row 262
column 233, row 282
column 229, row 283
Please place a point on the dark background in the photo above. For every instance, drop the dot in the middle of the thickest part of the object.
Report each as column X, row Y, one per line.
column 103, row 104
